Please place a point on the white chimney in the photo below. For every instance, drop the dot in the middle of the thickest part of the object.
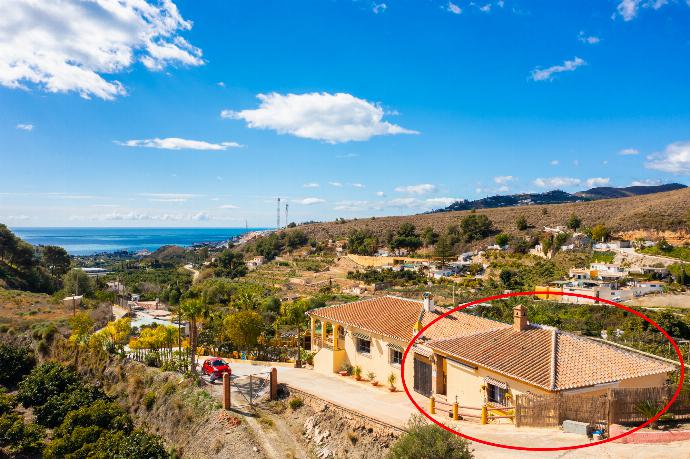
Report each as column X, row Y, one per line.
column 428, row 302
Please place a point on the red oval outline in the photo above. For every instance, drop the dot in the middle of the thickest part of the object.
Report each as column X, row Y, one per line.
column 561, row 448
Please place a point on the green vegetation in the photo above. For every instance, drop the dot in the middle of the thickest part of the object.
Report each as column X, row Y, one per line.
column 295, row 403
column 521, row 223
column 230, row 264
column 475, row 227
column 664, row 249
column 272, row 245
column 423, row 440
column 25, row 267
column 85, row 422
column 362, row 242
column 406, row 238
column 388, row 275
column 16, row 361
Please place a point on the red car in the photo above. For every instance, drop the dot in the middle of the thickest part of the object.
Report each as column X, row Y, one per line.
column 215, row 368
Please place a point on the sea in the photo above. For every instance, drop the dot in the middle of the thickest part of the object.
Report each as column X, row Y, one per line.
column 88, row 241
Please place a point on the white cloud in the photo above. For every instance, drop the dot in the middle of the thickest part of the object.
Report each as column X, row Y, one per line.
column 357, row 206
column 310, row 201
column 380, row 194
column 311, row 185
column 597, row 181
column 453, row 8
column 332, row 118
column 422, row 188
column 358, row 185
column 554, row 162
column 486, row 8
column 175, row 143
column 441, row 202
column 68, row 45
column 557, row 182
column 589, row 39
column 19, row 218
column 379, row 8
column 221, row 84
column 628, row 9
column 546, row 74
column 503, row 179
column 25, row 127
column 169, row 197
column 228, row 206
column 674, row 159
column 629, row 151
column 646, row 182
column 144, row 216
column 335, row 184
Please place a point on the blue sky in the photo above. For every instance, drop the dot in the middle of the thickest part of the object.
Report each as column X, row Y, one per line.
column 201, row 113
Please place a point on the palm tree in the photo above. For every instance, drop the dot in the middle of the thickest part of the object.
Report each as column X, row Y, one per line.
column 193, row 310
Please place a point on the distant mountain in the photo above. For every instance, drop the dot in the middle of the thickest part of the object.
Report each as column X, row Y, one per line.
column 608, row 192
column 512, row 200
column 558, row 197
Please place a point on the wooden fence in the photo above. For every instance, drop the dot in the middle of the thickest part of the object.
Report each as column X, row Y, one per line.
column 617, row 406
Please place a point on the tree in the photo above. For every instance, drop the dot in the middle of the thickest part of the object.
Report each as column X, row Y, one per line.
column 295, row 239
column 81, row 325
column 77, row 282
column 521, row 223
column 443, row 249
column 546, row 244
column 428, row 441
column 429, row 236
column 502, row 239
column 55, row 259
column 193, row 310
column 574, row 222
column 243, row 328
column 362, row 242
column 600, row 233
column 230, row 264
column 293, row 315
column 406, row 238
column 475, row 227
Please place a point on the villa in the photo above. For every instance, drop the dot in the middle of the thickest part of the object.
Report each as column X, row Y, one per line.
column 471, row 359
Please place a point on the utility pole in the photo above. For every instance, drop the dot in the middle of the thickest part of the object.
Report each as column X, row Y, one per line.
column 286, row 215
column 278, row 216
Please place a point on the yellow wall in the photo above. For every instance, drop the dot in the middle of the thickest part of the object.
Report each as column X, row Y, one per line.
column 466, row 383
column 372, row 262
column 378, row 361
column 328, row 361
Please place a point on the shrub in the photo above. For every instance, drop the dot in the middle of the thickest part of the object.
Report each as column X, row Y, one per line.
column 371, row 376
column 137, row 444
column 521, row 223
column 295, row 403
column 392, row 378
column 430, row 442
column 346, row 367
column 7, row 402
column 53, row 412
column 149, row 400
column 18, row 436
column 152, row 359
column 15, row 362
column 45, row 381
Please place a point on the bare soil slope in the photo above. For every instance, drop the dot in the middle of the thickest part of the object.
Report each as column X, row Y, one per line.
column 659, row 212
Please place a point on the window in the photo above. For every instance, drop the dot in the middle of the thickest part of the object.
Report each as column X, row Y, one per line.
column 363, row 346
column 495, row 394
column 396, row 357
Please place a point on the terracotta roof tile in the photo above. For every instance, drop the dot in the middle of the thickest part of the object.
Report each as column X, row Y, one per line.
column 549, row 358
column 395, row 317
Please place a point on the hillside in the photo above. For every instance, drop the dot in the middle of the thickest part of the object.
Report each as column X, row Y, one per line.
column 652, row 212
column 608, row 192
column 558, row 197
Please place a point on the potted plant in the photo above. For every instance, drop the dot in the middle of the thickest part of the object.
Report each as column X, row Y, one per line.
column 357, row 372
column 345, row 369
column 391, row 382
column 371, row 376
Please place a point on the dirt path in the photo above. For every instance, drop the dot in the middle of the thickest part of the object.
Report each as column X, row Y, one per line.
column 195, row 273
column 269, row 429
